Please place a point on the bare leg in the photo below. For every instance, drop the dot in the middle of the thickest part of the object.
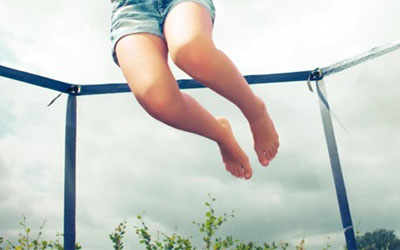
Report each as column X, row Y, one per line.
column 143, row 61
column 188, row 31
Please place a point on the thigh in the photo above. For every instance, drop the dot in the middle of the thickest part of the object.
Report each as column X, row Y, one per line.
column 144, row 63
column 132, row 17
column 189, row 21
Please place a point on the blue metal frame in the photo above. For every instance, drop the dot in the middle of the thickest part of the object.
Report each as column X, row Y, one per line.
column 341, row 193
column 70, row 175
column 70, row 136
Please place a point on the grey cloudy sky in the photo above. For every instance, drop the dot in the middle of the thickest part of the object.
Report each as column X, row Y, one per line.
column 129, row 162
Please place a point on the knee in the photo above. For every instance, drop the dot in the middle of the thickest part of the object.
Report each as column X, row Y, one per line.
column 194, row 57
column 157, row 102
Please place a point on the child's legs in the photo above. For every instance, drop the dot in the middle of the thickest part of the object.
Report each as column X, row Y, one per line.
column 143, row 61
column 188, row 31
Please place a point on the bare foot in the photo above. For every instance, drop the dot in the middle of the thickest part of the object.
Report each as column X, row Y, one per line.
column 235, row 159
column 266, row 139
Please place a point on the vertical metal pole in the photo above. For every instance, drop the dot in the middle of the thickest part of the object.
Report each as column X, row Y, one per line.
column 69, row 181
column 336, row 169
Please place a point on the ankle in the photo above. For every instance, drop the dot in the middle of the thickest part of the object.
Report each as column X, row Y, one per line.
column 225, row 131
column 256, row 110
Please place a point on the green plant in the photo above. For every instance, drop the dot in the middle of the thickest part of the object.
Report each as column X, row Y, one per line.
column 208, row 229
column 117, row 236
column 174, row 241
column 25, row 241
column 211, row 225
column 380, row 239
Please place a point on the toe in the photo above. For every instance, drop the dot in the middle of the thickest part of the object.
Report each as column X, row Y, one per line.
column 227, row 167
column 275, row 149
column 271, row 154
column 236, row 171
column 275, row 152
column 231, row 169
column 267, row 157
column 262, row 157
column 267, row 154
column 241, row 171
column 248, row 172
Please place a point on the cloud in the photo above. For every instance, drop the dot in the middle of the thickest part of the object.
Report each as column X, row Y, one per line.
column 129, row 163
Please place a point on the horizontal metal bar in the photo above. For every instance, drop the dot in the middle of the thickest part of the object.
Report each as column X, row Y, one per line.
column 35, row 79
column 96, row 89
column 106, row 88
column 365, row 56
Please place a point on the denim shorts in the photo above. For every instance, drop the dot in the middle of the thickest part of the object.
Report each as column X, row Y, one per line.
column 144, row 16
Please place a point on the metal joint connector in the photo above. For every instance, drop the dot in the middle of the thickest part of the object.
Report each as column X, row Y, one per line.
column 315, row 75
column 74, row 89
